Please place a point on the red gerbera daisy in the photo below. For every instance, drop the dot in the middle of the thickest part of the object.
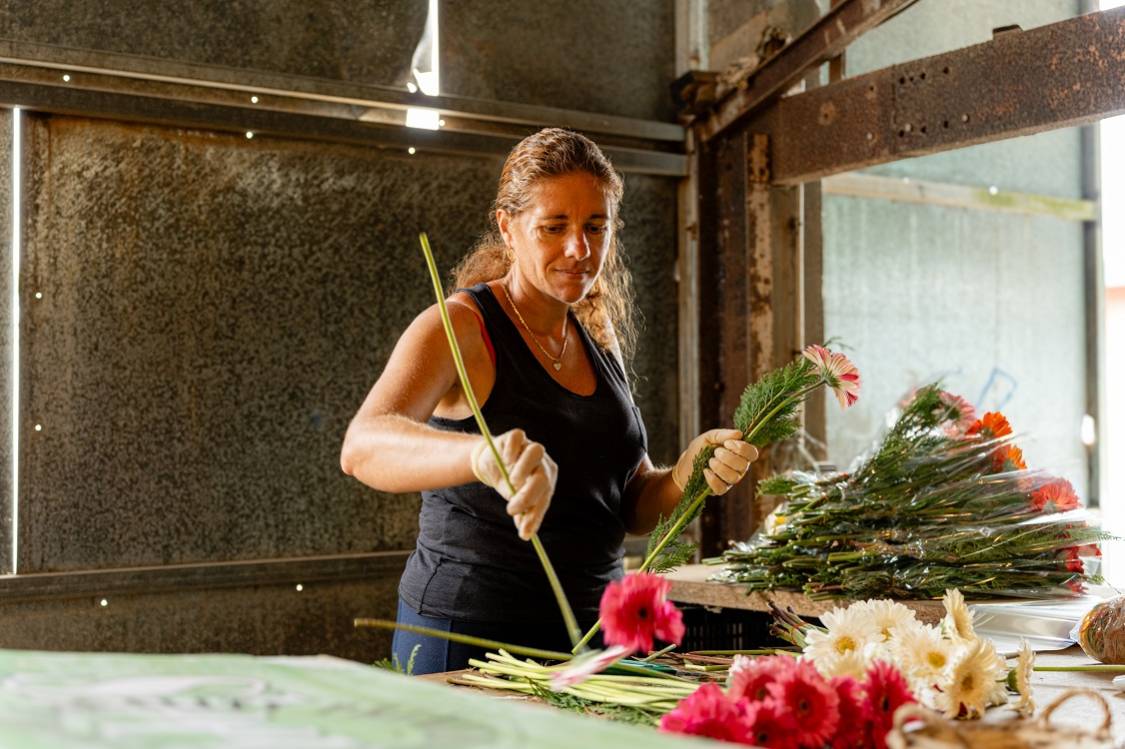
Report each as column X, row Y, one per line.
column 1073, row 563
column 751, row 677
column 886, row 691
column 1056, row 495
column 635, row 610
column 770, row 726
column 809, row 701
column 708, row 712
column 991, row 425
column 850, row 731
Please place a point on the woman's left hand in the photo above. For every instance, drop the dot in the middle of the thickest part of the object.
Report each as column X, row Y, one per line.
column 729, row 465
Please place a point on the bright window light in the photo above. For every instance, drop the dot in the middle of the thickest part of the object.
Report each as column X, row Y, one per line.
column 424, row 119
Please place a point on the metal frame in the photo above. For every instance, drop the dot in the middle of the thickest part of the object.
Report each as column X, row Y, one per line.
column 1022, row 82
column 133, row 88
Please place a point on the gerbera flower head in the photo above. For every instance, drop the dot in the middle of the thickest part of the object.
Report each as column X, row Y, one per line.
column 889, row 617
column 990, row 426
column 635, row 611
column 958, row 414
column 850, row 730
column 848, row 631
column 971, row 681
column 958, row 621
column 582, row 667
column 1019, row 679
column 809, row 701
column 710, row 713
column 1008, row 458
column 925, row 656
column 886, row 691
column 839, row 374
column 770, row 726
column 1056, row 495
column 751, row 677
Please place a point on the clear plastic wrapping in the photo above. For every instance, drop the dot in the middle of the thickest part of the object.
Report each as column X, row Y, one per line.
column 1102, row 631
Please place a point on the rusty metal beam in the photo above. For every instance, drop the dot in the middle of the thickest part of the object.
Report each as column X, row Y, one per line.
column 824, row 40
column 1022, row 82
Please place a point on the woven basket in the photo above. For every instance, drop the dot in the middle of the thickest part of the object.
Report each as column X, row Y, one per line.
column 1018, row 733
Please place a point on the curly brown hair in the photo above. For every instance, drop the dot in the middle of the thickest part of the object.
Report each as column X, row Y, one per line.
column 607, row 311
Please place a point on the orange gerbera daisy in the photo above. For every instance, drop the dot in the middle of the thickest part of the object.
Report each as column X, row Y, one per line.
column 991, row 425
column 1008, row 458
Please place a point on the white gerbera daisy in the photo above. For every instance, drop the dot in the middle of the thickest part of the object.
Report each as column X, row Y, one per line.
column 847, row 631
column 892, row 619
column 1019, row 679
column 925, row 656
column 972, row 678
column 958, row 622
column 853, row 663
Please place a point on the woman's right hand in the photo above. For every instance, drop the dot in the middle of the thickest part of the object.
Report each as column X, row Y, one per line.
column 533, row 474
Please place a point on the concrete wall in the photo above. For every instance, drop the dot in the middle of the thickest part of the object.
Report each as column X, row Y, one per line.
column 214, row 309
column 993, row 302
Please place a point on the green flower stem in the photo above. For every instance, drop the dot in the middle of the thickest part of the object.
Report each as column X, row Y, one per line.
column 479, row 642
column 466, row 386
column 675, row 531
column 658, row 653
column 764, row 651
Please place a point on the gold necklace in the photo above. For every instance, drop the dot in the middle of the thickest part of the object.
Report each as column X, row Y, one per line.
column 556, row 362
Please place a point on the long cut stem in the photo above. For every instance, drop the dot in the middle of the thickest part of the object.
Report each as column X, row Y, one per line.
column 466, row 386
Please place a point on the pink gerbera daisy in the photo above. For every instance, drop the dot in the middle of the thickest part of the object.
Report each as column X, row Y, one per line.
column 960, row 412
column 708, row 712
column 838, row 372
column 851, row 730
column 887, row 691
column 635, row 611
column 809, row 701
column 751, row 677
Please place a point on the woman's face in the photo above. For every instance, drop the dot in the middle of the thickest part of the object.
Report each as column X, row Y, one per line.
column 561, row 238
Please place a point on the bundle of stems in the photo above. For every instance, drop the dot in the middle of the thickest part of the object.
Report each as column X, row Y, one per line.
column 651, row 694
column 768, row 412
column 932, row 508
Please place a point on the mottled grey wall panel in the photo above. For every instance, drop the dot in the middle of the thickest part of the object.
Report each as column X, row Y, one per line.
column 366, row 41
column 649, row 238
column 992, row 302
column 266, row 620
column 611, row 56
column 5, row 340
column 214, row 310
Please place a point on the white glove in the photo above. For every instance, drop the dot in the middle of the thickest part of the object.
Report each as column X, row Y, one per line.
column 729, row 465
column 533, row 476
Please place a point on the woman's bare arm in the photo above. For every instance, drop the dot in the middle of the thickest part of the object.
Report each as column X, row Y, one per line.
column 388, row 445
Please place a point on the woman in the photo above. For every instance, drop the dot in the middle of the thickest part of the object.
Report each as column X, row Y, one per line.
column 543, row 319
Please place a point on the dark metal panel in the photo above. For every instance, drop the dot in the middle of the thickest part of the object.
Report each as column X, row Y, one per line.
column 727, row 321
column 613, row 56
column 257, row 619
column 822, row 41
column 369, row 41
column 214, row 309
column 210, row 576
column 1021, row 82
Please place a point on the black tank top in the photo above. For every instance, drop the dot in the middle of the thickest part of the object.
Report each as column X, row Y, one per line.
column 469, row 562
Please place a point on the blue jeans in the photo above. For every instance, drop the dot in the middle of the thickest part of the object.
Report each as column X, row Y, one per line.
column 435, row 655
